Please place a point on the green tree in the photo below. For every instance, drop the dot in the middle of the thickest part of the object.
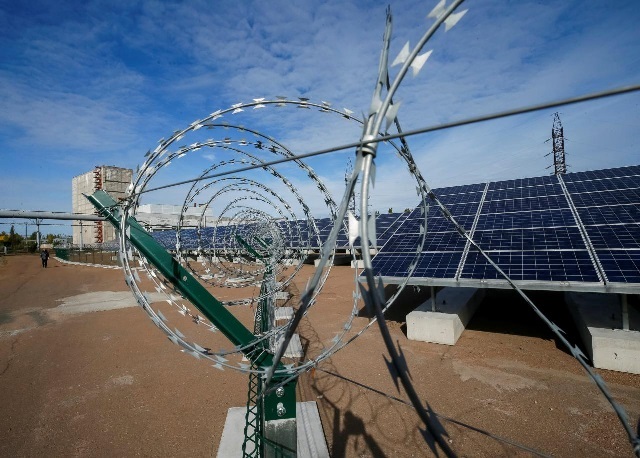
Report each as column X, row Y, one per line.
column 14, row 239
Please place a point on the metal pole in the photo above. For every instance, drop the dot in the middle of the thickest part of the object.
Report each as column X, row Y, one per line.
column 625, row 312
column 279, row 406
column 38, row 221
column 81, row 231
column 48, row 215
column 433, row 299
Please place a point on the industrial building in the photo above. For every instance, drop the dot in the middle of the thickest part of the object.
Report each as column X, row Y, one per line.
column 113, row 180
column 162, row 216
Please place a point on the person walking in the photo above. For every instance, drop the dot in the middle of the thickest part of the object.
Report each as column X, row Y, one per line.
column 44, row 255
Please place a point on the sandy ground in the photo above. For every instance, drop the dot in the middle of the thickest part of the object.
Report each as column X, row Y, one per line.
column 77, row 381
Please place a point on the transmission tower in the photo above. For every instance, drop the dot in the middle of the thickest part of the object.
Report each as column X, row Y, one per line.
column 557, row 137
column 352, row 201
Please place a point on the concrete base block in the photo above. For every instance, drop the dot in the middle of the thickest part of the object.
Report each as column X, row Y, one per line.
column 294, row 349
column 454, row 309
column 357, row 264
column 311, row 441
column 283, row 313
column 599, row 320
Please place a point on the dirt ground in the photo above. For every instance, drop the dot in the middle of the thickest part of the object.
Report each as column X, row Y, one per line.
column 109, row 383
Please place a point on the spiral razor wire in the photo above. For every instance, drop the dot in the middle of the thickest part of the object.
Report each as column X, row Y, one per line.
column 220, row 259
column 384, row 111
column 252, row 233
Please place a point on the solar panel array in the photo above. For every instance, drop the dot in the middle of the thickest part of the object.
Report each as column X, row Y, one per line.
column 299, row 234
column 578, row 231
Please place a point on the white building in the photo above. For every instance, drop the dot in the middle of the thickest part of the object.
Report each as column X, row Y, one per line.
column 113, row 180
column 161, row 216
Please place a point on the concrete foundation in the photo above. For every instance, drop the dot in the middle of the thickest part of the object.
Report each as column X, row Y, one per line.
column 294, row 349
column 283, row 313
column 454, row 307
column 237, row 281
column 611, row 336
column 310, row 442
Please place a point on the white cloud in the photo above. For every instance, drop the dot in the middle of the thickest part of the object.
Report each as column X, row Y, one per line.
column 101, row 83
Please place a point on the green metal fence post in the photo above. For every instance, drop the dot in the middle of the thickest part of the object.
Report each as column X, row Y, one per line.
column 279, row 413
column 279, row 406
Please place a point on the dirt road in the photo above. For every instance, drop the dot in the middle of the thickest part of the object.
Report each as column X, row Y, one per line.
column 101, row 380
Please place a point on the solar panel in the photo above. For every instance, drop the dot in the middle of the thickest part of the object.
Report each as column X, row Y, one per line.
column 578, row 231
column 438, row 265
column 608, row 205
column 443, row 243
column 538, row 266
column 621, row 266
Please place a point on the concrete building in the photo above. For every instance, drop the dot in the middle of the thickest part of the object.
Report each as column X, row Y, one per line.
column 113, row 180
column 161, row 216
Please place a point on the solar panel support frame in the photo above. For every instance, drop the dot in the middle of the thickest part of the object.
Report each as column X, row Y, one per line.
column 583, row 232
column 531, row 285
column 467, row 246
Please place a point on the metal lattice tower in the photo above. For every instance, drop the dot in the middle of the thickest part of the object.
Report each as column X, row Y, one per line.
column 557, row 137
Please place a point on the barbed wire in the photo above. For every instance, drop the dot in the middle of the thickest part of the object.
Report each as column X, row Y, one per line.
column 398, row 367
column 374, row 296
column 381, row 111
column 432, row 128
column 161, row 158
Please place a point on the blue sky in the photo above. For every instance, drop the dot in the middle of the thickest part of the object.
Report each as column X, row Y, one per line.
column 92, row 83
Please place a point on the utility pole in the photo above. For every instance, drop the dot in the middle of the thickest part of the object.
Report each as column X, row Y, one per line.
column 38, row 221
